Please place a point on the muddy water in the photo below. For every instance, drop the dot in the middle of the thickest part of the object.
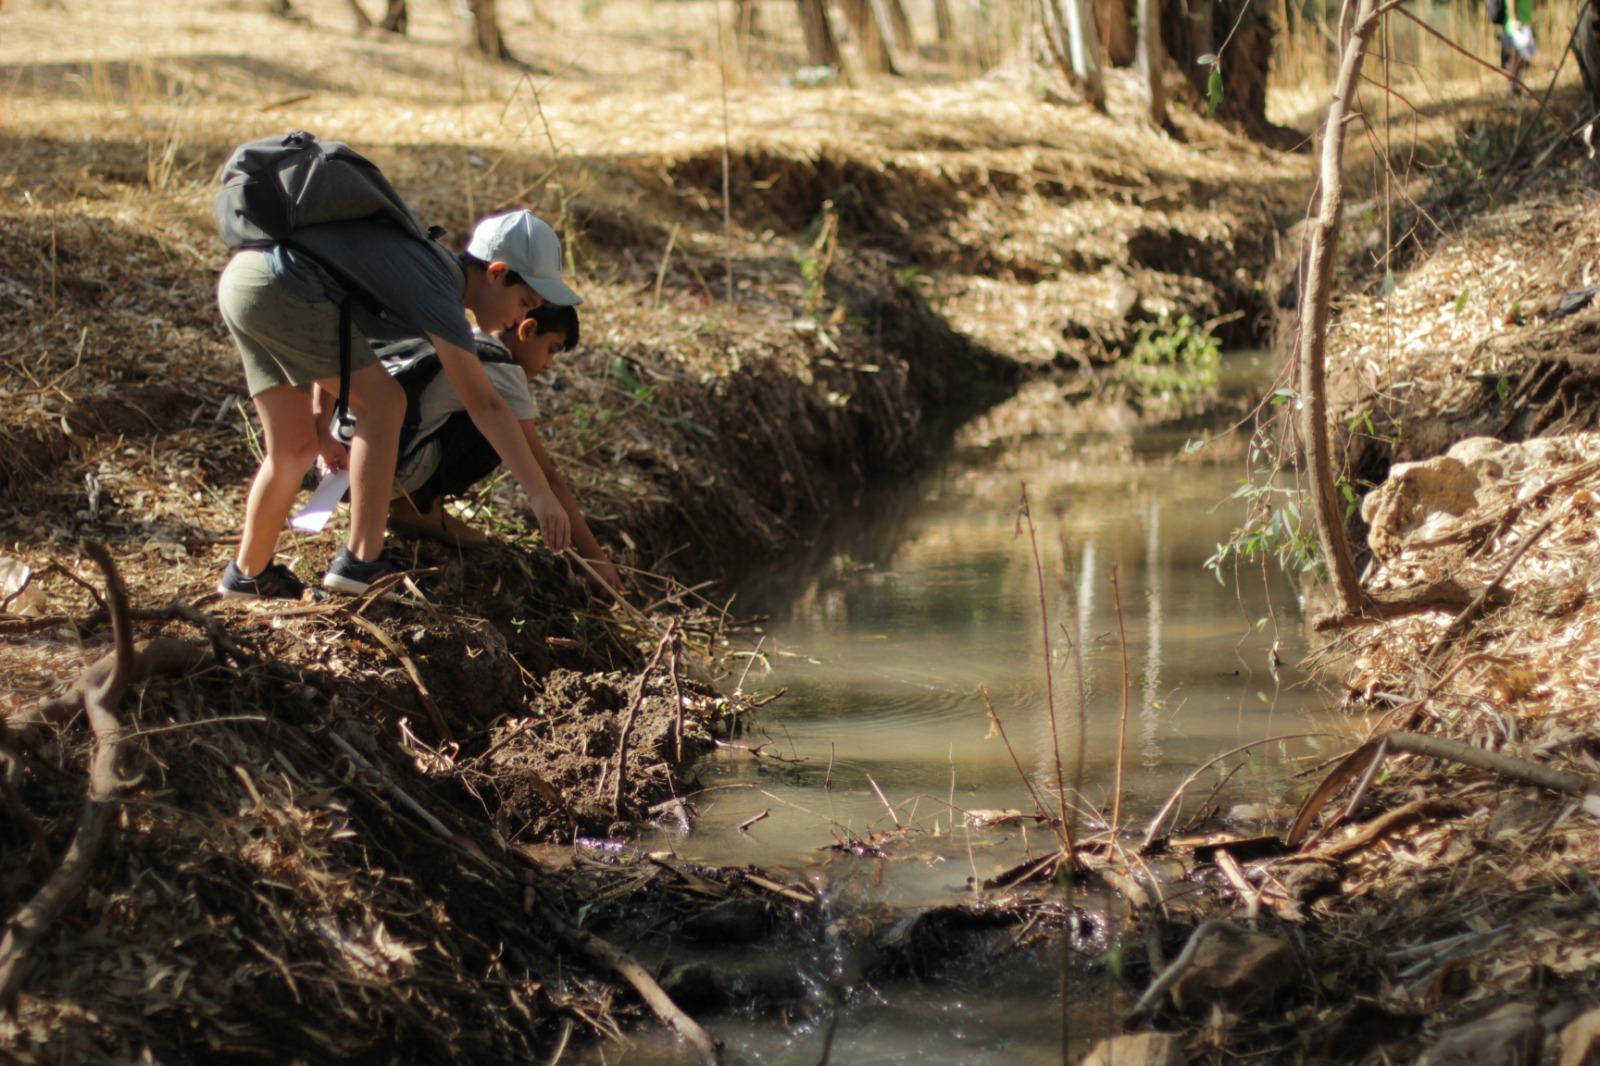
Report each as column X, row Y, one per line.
column 883, row 641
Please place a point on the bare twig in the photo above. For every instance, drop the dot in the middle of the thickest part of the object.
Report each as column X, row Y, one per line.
column 1154, row 828
column 1025, row 515
column 1038, row 804
column 632, row 713
column 435, row 715
column 1361, row 760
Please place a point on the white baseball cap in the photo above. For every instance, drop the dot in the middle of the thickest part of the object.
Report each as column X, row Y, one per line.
column 523, row 242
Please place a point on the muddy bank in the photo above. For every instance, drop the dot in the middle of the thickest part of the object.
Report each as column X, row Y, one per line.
column 1434, row 898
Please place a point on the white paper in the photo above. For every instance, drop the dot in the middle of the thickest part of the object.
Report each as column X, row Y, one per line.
column 319, row 508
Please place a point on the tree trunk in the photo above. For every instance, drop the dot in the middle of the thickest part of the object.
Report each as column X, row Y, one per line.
column 1199, row 28
column 1152, row 61
column 1586, row 45
column 1117, row 34
column 944, row 26
column 483, row 29
column 1083, row 40
column 396, row 19
column 900, row 24
column 870, row 35
column 363, row 23
column 1053, row 24
column 1313, row 338
column 822, row 47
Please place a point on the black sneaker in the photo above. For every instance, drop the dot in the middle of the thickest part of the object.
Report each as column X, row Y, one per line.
column 276, row 582
column 351, row 576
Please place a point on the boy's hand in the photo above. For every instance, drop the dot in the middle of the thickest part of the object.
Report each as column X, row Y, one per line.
column 334, row 455
column 553, row 522
column 608, row 574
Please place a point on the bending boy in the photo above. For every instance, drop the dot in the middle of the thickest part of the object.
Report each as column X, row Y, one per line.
column 282, row 309
column 447, row 455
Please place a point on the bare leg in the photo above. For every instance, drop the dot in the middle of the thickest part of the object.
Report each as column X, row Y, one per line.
column 378, row 402
column 291, row 444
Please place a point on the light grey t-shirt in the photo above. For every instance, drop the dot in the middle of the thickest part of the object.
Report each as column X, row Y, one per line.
column 421, row 286
column 440, row 400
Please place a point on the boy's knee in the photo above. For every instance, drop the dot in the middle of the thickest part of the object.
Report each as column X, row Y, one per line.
column 378, row 399
column 296, row 453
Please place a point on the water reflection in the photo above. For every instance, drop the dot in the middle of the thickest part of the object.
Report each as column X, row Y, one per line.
column 887, row 641
column 883, row 639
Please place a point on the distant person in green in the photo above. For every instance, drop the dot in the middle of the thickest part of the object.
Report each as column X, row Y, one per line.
column 1513, row 18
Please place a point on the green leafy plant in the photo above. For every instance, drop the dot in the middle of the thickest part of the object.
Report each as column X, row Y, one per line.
column 1173, row 360
column 816, row 255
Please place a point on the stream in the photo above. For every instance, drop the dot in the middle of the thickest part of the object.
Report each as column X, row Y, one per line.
column 882, row 639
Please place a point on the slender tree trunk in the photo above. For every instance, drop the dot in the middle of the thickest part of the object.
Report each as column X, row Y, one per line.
column 822, row 47
column 1313, row 338
column 1152, row 61
column 1053, row 24
column 1202, row 35
column 944, row 26
column 870, row 36
column 900, row 24
column 363, row 23
column 483, row 30
column 1117, row 33
column 396, row 19
column 1084, row 42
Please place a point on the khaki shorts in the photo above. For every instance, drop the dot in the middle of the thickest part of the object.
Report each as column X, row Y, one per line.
column 283, row 339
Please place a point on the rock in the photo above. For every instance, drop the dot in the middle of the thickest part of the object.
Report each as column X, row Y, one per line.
column 695, row 987
column 1580, row 1040
column 1308, row 882
column 733, row 921
column 1419, row 499
column 1486, row 457
column 1508, row 1036
column 1136, row 1049
column 1236, row 969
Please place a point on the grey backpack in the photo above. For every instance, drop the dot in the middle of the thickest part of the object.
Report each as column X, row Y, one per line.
column 277, row 185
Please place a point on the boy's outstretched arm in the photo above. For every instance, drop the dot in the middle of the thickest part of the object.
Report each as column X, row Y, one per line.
column 499, row 426
column 582, row 537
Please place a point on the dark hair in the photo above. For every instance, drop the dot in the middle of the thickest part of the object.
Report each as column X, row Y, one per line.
column 553, row 318
column 512, row 277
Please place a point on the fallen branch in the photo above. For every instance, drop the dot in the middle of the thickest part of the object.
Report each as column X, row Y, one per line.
column 626, row 967
column 1383, row 825
column 99, row 699
column 1169, row 977
column 1364, row 761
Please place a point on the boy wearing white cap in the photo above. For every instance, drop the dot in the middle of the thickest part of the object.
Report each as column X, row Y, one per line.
column 282, row 308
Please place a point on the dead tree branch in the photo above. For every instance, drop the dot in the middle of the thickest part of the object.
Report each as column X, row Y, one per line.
column 100, row 692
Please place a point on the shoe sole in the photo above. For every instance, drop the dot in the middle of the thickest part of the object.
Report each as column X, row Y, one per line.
column 347, row 585
column 240, row 594
column 351, row 587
